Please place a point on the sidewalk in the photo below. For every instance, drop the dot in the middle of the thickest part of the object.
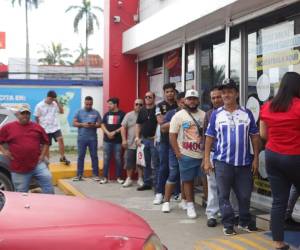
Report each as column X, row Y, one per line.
column 176, row 231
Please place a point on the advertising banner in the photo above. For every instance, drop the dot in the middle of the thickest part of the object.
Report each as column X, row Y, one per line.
column 70, row 98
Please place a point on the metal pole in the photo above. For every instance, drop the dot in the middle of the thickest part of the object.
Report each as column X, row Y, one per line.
column 183, row 67
column 227, row 46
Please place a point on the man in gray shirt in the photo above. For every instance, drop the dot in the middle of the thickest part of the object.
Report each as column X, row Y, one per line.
column 128, row 136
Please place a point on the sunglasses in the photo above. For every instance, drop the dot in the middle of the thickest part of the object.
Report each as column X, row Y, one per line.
column 139, row 104
column 148, row 97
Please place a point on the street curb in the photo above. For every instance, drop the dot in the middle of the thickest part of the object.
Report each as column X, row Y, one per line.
column 68, row 189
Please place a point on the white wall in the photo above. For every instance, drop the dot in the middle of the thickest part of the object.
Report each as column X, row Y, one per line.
column 150, row 7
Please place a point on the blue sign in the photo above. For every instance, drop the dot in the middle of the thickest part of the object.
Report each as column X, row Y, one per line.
column 70, row 98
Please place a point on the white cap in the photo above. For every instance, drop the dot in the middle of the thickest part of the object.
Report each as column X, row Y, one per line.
column 191, row 93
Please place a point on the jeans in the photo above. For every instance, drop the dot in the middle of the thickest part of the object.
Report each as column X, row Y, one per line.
column 41, row 173
column 174, row 175
column 108, row 149
column 238, row 178
column 294, row 195
column 283, row 171
column 82, row 145
column 151, row 159
column 212, row 207
column 163, row 171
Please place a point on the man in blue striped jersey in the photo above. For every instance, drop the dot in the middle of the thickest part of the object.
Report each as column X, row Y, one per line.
column 230, row 129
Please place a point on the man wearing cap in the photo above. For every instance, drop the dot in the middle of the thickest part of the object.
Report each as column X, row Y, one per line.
column 231, row 127
column 27, row 146
column 186, row 132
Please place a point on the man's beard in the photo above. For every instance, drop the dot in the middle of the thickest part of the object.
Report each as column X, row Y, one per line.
column 192, row 109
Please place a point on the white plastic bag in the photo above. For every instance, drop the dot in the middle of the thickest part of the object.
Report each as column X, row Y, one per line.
column 140, row 156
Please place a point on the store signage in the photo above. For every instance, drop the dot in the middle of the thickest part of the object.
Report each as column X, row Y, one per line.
column 263, row 87
column 253, row 105
column 2, row 40
column 278, row 59
column 171, row 59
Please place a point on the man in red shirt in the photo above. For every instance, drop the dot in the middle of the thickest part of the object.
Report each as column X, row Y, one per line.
column 27, row 145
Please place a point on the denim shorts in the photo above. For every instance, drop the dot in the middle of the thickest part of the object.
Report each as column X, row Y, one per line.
column 189, row 168
column 130, row 159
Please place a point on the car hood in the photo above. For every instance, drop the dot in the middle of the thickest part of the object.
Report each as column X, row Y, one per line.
column 26, row 211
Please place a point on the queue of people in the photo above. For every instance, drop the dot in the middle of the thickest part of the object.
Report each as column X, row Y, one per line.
column 180, row 143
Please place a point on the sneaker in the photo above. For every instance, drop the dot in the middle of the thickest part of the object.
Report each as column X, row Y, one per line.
column 182, row 205
column 144, row 187
column 236, row 220
column 104, row 181
column 190, row 211
column 120, row 181
column 128, row 182
column 140, row 182
column 177, row 197
column 166, row 207
column 250, row 228
column 95, row 178
column 212, row 222
column 158, row 199
column 229, row 231
column 64, row 160
column 78, row 178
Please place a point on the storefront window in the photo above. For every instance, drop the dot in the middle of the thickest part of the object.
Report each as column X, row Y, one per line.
column 212, row 66
column 272, row 51
column 190, row 67
column 172, row 63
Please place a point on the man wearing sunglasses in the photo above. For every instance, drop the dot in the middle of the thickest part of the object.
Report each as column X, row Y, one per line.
column 128, row 136
column 145, row 133
column 27, row 146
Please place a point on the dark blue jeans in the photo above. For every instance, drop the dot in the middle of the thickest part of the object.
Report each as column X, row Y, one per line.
column 283, row 171
column 82, row 145
column 151, row 159
column 238, row 178
column 108, row 149
column 163, row 171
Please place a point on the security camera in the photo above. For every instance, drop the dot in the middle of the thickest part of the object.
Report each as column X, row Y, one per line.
column 116, row 19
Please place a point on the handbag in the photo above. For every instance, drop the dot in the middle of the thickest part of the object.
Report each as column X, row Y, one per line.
column 140, row 156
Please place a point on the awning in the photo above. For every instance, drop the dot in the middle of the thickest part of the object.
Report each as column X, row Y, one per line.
column 185, row 21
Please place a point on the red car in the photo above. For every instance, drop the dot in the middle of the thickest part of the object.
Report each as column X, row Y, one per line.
column 41, row 221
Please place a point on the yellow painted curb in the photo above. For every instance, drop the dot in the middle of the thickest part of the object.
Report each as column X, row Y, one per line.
column 61, row 171
column 67, row 188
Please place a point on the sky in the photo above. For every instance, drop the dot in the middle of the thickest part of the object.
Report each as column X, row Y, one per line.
column 48, row 23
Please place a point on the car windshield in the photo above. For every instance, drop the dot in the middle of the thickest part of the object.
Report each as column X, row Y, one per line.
column 2, row 200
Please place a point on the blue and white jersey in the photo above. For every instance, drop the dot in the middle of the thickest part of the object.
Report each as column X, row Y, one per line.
column 231, row 132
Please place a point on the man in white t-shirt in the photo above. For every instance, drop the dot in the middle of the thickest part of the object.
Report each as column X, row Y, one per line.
column 186, row 132
column 46, row 114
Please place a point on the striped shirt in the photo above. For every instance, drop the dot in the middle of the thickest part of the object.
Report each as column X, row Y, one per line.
column 231, row 132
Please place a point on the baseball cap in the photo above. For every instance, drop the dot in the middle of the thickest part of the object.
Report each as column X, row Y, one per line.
column 24, row 108
column 191, row 93
column 229, row 84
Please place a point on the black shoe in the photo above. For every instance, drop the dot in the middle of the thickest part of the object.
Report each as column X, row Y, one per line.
column 144, row 187
column 229, row 231
column 286, row 247
column 236, row 220
column 291, row 224
column 212, row 222
column 65, row 160
column 250, row 228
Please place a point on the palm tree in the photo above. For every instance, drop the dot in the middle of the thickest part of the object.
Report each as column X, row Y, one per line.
column 85, row 10
column 82, row 53
column 28, row 4
column 55, row 55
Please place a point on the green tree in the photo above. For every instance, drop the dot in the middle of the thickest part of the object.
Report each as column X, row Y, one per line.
column 55, row 54
column 84, row 12
column 28, row 5
column 81, row 53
